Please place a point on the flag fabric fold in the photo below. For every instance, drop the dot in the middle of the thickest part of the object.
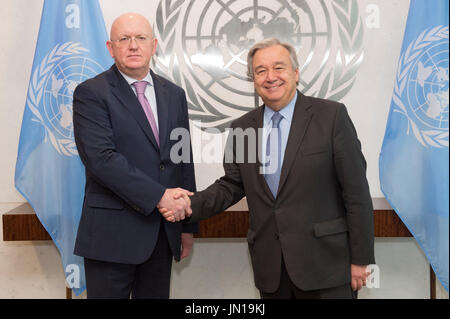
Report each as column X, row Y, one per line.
column 414, row 159
column 49, row 174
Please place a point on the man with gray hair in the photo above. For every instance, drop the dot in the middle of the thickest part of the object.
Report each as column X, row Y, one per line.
column 311, row 232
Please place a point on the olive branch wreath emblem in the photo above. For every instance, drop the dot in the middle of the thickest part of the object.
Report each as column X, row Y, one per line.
column 350, row 55
column 434, row 138
column 336, row 84
column 40, row 75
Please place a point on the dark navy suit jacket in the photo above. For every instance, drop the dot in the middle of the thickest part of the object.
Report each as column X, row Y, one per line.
column 126, row 172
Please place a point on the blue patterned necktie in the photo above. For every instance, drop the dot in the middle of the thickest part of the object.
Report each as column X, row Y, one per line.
column 273, row 179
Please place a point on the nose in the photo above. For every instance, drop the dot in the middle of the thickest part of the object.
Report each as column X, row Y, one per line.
column 271, row 76
column 133, row 43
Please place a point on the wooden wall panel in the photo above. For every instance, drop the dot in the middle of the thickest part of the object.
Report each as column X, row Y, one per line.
column 388, row 224
column 21, row 223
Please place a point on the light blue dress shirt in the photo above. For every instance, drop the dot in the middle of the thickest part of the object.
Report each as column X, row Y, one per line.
column 285, row 126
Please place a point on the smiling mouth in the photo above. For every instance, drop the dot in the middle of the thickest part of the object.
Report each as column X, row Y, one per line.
column 273, row 87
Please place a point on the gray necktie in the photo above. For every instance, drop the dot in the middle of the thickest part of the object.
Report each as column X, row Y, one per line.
column 273, row 179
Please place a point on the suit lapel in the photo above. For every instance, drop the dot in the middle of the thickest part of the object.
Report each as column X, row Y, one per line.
column 300, row 122
column 163, row 108
column 257, row 125
column 126, row 96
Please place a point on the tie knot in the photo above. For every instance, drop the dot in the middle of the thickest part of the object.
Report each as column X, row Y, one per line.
column 140, row 86
column 276, row 119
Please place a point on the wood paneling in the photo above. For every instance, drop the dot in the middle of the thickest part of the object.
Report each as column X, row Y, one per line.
column 21, row 223
column 235, row 224
column 224, row 225
column 388, row 224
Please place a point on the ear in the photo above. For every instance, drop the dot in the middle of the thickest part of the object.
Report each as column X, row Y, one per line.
column 155, row 44
column 109, row 45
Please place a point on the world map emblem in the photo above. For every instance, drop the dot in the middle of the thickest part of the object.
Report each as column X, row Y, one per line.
column 203, row 47
column 50, row 94
column 421, row 90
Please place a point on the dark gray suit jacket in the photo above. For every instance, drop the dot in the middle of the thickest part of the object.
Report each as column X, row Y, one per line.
column 126, row 172
column 322, row 218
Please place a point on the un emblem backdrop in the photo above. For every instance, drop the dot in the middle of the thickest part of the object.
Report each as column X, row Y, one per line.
column 203, row 47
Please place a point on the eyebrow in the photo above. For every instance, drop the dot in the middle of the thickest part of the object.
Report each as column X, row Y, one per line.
column 275, row 64
column 280, row 63
column 136, row 35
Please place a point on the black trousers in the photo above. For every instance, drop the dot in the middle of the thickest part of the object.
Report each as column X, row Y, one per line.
column 288, row 290
column 150, row 280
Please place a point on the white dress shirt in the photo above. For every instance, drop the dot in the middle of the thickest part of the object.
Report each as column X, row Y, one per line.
column 149, row 93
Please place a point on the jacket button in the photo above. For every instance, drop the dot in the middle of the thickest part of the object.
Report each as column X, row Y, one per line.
column 161, row 167
column 277, row 236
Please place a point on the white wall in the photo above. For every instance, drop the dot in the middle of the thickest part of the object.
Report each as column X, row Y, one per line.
column 218, row 268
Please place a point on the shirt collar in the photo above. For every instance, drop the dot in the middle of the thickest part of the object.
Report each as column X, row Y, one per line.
column 287, row 112
column 130, row 80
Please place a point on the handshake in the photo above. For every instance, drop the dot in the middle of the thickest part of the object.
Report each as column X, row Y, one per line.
column 175, row 205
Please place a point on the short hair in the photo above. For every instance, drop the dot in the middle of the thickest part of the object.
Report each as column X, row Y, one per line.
column 266, row 44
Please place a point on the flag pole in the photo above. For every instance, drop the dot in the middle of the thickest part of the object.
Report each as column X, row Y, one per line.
column 68, row 293
column 432, row 283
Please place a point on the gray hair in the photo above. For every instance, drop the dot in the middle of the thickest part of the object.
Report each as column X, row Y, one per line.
column 266, row 44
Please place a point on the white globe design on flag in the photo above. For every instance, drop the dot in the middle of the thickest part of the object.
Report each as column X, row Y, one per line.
column 59, row 87
column 421, row 89
column 428, row 87
column 50, row 95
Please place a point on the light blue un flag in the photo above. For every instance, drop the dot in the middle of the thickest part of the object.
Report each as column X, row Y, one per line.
column 414, row 163
column 49, row 174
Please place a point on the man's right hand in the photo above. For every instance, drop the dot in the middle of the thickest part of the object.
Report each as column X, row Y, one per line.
column 175, row 204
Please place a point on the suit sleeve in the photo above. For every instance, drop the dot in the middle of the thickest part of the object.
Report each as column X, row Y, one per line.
column 223, row 193
column 351, row 172
column 188, row 168
column 94, row 139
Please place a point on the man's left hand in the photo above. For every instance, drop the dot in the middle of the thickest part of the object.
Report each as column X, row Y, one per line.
column 359, row 276
column 187, row 240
